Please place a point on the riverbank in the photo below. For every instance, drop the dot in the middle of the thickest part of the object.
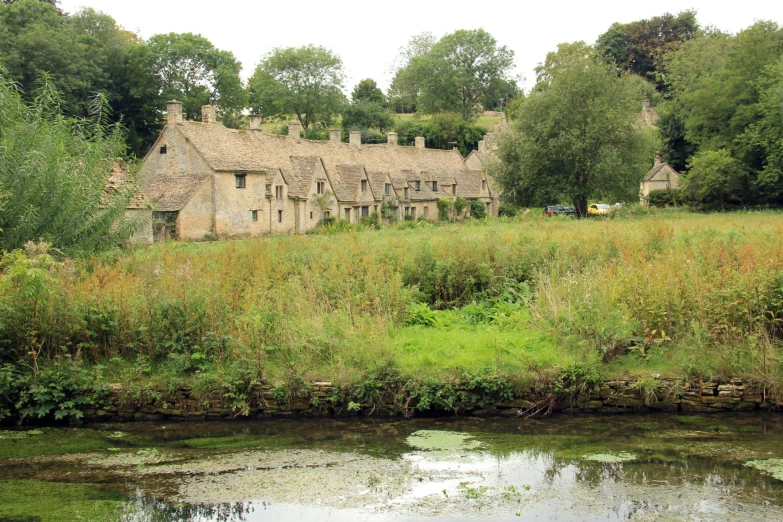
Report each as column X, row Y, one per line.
column 428, row 313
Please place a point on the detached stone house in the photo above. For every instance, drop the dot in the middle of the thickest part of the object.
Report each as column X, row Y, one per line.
column 661, row 177
column 207, row 180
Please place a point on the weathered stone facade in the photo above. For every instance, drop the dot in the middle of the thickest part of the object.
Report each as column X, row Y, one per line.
column 661, row 177
column 614, row 396
column 218, row 182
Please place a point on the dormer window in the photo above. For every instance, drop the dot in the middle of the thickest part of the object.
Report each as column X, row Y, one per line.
column 240, row 180
column 405, row 192
column 320, row 187
column 434, row 186
column 278, row 191
column 454, row 189
column 388, row 189
column 483, row 185
column 163, row 149
column 417, row 185
column 364, row 185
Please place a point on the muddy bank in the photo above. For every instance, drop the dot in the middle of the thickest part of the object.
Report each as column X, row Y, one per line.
column 318, row 400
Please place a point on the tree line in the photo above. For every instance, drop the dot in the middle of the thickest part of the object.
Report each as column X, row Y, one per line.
column 88, row 52
column 718, row 98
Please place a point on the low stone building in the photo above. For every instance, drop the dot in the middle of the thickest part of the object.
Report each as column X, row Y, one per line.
column 661, row 177
column 206, row 180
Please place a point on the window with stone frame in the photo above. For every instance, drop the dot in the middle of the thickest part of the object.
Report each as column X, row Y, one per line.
column 320, row 187
column 426, row 211
column 454, row 189
column 241, row 180
column 279, row 216
column 417, row 185
column 364, row 185
column 388, row 188
column 483, row 185
column 254, row 215
column 365, row 211
column 163, row 149
column 434, row 186
column 279, row 192
column 405, row 192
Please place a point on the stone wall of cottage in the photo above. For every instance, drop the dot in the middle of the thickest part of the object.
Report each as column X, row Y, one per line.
column 195, row 219
column 234, row 206
column 615, row 396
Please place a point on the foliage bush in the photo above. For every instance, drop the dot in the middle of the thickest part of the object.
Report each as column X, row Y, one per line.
column 478, row 209
column 667, row 198
column 444, row 209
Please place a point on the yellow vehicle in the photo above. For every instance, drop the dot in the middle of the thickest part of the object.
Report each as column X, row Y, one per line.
column 597, row 209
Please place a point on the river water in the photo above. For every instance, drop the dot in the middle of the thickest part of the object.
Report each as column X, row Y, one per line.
column 557, row 468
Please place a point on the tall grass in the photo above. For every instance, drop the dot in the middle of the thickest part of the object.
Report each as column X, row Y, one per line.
column 658, row 293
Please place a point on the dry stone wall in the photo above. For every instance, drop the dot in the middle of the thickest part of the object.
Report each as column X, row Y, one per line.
column 616, row 396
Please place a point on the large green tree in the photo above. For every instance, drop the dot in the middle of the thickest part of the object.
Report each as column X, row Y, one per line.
column 303, row 81
column 457, row 73
column 189, row 68
column 639, row 46
column 576, row 137
column 368, row 91
column 713, row 177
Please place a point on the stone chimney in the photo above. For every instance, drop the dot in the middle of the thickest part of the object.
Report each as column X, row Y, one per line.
column 174, row 112
column 208, row 114
column 255, row 122
column 658, row 160
column 335, row 135
column 646, row 107
column 294, row 129
column 482, row 145
column 391, row 138
column 419, row 142
column 355, row 139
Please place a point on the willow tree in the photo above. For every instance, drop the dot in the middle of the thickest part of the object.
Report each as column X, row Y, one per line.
column 577, row 135
column 54, row 172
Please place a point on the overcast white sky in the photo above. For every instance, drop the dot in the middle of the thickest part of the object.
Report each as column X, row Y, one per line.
column 368, row 34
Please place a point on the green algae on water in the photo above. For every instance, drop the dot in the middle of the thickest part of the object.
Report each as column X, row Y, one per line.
column 610, row 457
column 771, row 467
column 442, row 440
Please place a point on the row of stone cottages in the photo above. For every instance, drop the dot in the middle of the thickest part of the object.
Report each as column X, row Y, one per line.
column 206, row 180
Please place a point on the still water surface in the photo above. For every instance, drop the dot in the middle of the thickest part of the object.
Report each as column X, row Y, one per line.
column 556, row 468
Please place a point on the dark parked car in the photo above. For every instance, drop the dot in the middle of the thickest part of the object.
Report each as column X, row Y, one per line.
column 560, row 210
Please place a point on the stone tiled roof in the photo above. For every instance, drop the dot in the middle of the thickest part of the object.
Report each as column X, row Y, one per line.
column 119, row 178
column 378, row 183
column 656, row 169
column 231, row 150
column 171, row 193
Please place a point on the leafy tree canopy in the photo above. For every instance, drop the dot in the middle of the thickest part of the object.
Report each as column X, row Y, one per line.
column 638, row 47
column 576, row 136
column 305, row 81
column 188, row 67
column 362, row 115
column 367, row 90
column 457, row 73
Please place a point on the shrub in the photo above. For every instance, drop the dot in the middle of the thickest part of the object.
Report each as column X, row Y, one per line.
column 478, row 209
column 460, row 204
column 666, row 198
column 507, row 210
column 444, row 208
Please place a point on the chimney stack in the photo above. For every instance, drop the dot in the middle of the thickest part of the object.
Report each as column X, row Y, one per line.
column 482, row 145
column 335, row 135
column 255, row 122
column 391, row 138
column 658, row 160
column 208, row 114
column 174, row 112
column 355, row 139
column 294, row 129
column 419, row 142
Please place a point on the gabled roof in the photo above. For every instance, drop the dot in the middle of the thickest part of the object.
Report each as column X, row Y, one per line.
column 347, row 182
column 378, row 182
column 658, row 168
column 121, row 179
column 300, row 175
column 171, row 193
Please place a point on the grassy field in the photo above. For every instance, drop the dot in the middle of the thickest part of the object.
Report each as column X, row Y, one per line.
column 675, row 293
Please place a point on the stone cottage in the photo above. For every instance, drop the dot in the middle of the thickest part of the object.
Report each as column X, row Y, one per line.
column 661, row 177
column 205, row 180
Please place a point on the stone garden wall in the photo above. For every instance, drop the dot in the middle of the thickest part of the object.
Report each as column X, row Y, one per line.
column 615, row 396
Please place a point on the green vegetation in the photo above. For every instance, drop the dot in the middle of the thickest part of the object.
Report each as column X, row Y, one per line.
column 413, row 309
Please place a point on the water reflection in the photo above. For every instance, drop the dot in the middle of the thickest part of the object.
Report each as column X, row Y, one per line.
column 559, row 469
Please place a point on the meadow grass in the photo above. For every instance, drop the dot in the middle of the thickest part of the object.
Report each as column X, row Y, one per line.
column 672, row 293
